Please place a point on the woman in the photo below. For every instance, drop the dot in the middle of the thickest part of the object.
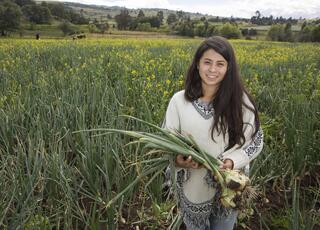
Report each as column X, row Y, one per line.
column 222, row 117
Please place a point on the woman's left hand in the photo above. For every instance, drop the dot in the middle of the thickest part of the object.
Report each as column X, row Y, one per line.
column 227, row 164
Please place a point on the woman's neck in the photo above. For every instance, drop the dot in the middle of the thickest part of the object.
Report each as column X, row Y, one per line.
column 208, row 93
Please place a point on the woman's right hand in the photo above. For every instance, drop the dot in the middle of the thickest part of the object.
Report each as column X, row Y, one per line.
column 187, row 163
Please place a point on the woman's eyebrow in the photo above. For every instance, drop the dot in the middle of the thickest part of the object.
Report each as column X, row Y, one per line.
column 221, row 61
column 209, row 59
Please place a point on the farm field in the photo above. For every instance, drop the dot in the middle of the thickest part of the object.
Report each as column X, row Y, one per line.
column 53, row 177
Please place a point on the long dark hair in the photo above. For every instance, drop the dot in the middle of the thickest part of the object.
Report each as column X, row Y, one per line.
column 228, row 100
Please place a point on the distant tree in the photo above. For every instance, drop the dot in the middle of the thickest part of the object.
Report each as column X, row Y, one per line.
column 76, row 18
column 258, row 14
column 109, row 16
column 102, row 27
column 10, row 14
column 185, row 28
column 212, row 30
column 144, row 27
column 180, row 14
column 258, row 19
column 24, row 2
column 37, row 13
column 172, row 18
column 123, row 19
column 58, row 10
column 155, row 21
column 66, row 28
column 200, row 30
column 44, row 4
column 229, row 31
column 304, row 24
column 305, row 34
column 276, row 33
column 288, row 32
column 93, row 28
column 214, row 19
column 245, row 32
column 316, row 34
column 141, row 14
column 232, row 20
column 135, row 22
column 160, row 16
column 270, row 20
column 310, row 32
column 206, row 26
column 252, row 32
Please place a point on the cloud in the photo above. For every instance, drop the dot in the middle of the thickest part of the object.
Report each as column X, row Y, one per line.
column 247, row 8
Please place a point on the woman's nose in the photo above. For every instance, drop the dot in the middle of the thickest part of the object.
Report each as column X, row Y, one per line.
column 212, row 68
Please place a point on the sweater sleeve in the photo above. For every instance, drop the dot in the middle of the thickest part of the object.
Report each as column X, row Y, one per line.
column 252, row 146
column 172, row 120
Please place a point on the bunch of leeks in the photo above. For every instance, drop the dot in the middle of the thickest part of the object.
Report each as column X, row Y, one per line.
column 169, row 142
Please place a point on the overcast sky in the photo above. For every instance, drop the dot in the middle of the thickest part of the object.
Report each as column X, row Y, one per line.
column 227, row 8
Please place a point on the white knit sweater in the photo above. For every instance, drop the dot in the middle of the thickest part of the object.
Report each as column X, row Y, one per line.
column 193, row 118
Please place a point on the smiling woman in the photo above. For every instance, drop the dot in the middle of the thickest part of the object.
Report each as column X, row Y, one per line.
column 220, row 114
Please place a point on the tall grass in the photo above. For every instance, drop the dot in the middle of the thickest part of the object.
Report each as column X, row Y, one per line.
column 55, row 178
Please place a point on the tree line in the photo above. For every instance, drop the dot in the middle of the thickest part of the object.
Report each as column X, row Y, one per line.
column 13, row 11
column 258, row 19
column 180, row 23
column 309, row 32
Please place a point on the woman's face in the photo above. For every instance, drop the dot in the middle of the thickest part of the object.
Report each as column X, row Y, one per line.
column 212, row 69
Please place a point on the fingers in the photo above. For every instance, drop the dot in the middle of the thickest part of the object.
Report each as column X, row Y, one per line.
column 189, row 159
column 223, row 166
column 180, row 158
column 182, row 162
column 194, row 165
column 227, row 164
column 187, row 162
column 191, row 164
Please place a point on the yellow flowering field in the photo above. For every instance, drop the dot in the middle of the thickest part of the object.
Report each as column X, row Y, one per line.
column 52, row 177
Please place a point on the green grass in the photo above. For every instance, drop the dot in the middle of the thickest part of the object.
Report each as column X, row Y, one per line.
column 54, row 178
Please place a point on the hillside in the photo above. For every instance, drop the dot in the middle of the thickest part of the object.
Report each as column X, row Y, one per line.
column 100, row 12
column 69, row 18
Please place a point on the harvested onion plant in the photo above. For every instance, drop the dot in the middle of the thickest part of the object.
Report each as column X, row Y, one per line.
column 233, row 183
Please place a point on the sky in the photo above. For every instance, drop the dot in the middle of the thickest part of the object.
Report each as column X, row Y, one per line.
column 226, row 8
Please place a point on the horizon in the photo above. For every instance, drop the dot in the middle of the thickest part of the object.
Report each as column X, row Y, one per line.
column 309, row 9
